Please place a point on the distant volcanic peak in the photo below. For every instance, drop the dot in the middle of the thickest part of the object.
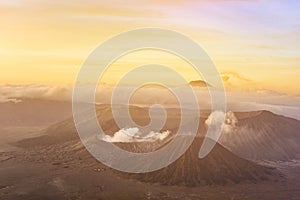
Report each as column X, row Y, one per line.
column 252, row 114
column 268, row 113
column 198, row 83
column 246, row 115
column 154, row 86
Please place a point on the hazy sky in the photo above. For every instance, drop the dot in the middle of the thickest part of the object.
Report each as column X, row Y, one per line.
column 254, row 43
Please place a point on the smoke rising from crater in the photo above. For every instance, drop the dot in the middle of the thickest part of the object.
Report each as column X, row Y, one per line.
column 227, row 126
column 127, row 135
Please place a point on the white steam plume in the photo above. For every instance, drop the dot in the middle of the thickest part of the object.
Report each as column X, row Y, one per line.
column 227, row 126
column 135, row 135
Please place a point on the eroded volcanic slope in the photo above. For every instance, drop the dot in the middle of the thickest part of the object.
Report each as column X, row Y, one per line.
column 263, row 135
column 220, row 167
column 258, row 135
column 60, row 144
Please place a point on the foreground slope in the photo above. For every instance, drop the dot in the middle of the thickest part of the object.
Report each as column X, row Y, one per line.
column 220, row 167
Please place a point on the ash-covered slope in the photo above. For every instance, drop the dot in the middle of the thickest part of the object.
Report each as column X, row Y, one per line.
column 262, row 135
column 218, row 168
column 257, row 135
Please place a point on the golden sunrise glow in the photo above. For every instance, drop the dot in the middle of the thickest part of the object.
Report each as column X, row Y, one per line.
column 46, row 42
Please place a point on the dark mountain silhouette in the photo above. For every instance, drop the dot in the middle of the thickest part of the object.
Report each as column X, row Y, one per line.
column 198, row 83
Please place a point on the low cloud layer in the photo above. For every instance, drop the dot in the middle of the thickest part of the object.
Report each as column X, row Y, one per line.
column 135, row 135
column 15, row 93
column 279, row 103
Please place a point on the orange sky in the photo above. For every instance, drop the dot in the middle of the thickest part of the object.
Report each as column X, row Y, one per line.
column 255, row 43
